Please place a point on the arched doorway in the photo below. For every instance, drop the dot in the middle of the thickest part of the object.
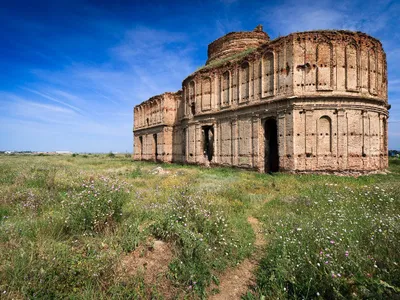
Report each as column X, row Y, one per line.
column 208, row 142
column 271, row 155
column 155, row 150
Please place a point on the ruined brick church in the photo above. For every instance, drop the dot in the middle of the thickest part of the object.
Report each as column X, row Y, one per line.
column 309, row 101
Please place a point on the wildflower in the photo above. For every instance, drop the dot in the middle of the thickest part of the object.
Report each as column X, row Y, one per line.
column 332, row 241
column 346, row 253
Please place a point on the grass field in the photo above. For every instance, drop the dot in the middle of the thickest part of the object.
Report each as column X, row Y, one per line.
column 79, row 227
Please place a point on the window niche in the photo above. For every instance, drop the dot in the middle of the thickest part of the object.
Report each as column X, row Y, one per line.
column 324, row 136
column 268, row 74
column 225, row 88
column 244, row 82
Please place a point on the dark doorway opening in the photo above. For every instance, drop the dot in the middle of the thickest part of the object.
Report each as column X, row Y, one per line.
column 208, row 142
column 193, row 108
column 141, row 147
column 271, row 157
column 155, row 146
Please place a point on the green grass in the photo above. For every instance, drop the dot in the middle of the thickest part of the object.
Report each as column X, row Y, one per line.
column 66, row 222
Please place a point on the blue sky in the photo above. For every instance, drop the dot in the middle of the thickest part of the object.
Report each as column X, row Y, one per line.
column 71, row 71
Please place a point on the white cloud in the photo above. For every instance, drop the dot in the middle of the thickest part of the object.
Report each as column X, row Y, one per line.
column 291, row 16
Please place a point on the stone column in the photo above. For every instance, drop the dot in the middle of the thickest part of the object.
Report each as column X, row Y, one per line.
column 234, row 141
column 254, row 140
column 310, row 139
column 216, row 142
column 342, row 139
column 281, row 123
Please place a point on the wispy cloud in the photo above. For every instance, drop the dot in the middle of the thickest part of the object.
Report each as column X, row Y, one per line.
column 48, row 97
column 96, row 99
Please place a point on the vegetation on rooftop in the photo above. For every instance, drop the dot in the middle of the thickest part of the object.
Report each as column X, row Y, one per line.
column 219, row 62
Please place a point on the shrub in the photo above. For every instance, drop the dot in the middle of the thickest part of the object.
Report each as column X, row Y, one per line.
column 111, row 155
column 97, row 206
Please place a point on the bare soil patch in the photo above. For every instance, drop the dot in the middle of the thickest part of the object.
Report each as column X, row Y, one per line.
column 151, row 262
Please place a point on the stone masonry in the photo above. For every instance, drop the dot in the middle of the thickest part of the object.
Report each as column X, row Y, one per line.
column 309, row 101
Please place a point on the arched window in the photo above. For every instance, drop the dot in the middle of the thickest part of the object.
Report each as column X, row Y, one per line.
column 268, row 74
column 206, row 100
column 159, row 112
column 245, row 81
column 186, row 100
column 151, row 113
column 372, row 72
column 225, row 88
column 324, row 61
column 351, row 67
column 141, row 118
column 324, row 145
column 192, row 96
column 135, row 118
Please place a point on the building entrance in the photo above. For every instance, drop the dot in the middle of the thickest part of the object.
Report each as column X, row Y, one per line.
column 271, row 156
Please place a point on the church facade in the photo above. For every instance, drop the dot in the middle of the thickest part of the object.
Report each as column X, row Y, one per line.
column 309, row 101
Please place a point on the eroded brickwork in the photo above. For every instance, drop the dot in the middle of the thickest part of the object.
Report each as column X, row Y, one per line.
column 309, row 101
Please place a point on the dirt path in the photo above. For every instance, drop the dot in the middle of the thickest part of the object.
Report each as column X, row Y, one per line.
column 235, row 282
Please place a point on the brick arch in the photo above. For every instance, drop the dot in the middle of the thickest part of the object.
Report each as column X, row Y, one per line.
column 140, row 116
column 324, row 135
column 268, row 74
column 372, row 71
column 206, row 93
column 192, row 97
column 226, row 78
column 352, row 62
column 244, row 81
column 324, row 61
column 158, row 111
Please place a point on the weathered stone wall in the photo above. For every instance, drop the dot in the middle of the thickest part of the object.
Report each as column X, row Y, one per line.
column 154, row 122
column 328, row 138
column 339, row 63
column 325, row 91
